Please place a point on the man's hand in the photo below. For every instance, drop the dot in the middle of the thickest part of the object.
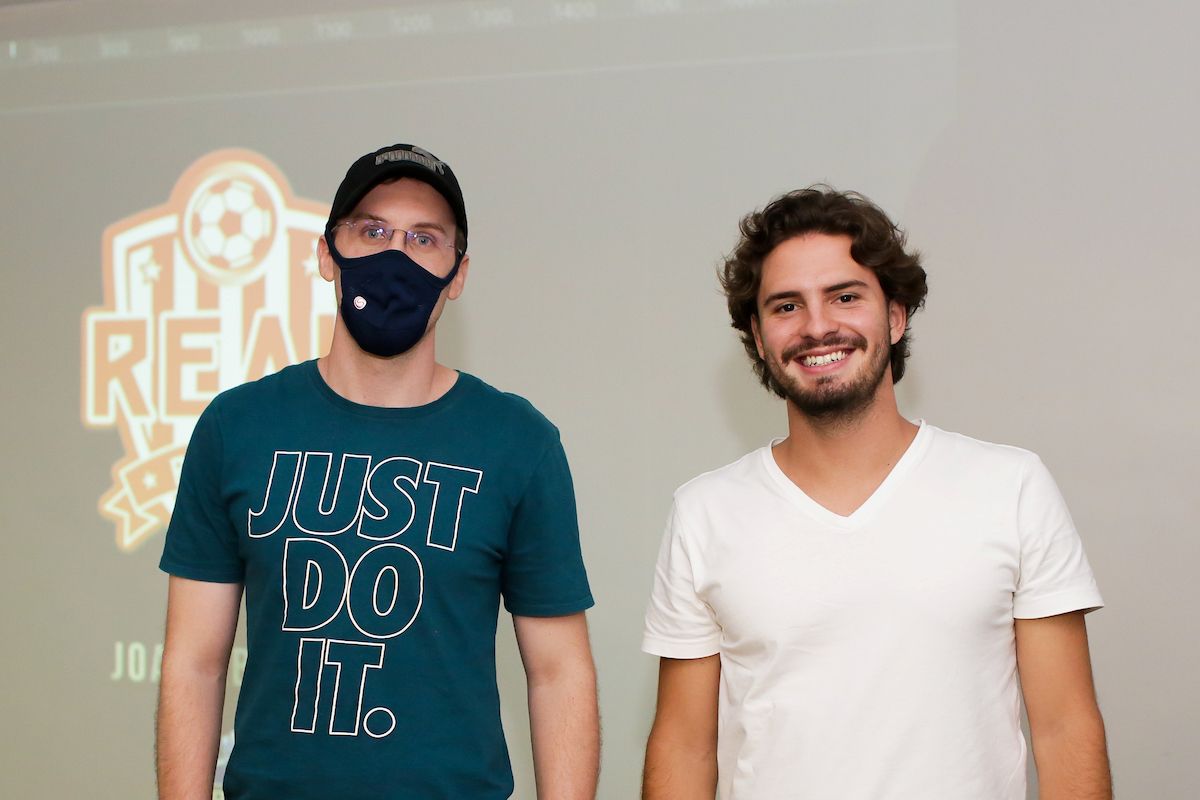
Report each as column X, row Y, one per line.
column 681, row 754
column 1064, row 720
column 201, row 620
column 563, row 717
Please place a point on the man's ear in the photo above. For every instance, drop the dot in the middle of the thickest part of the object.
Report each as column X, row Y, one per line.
column 897, row 320
column 460, row 278
column 757, row 336
column 325, row 261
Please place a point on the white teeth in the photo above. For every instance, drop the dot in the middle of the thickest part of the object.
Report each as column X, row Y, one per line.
column 819, row 361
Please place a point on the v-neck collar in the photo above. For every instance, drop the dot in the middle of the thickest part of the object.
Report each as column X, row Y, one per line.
column 911, row 457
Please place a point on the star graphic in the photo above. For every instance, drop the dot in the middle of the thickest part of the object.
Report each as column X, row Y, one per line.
column 149, row 481
column 310, row 263
column 151, row 270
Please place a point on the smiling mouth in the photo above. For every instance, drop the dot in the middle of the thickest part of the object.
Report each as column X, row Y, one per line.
column 822, row 360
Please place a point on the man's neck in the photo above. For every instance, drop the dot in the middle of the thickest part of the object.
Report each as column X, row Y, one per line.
column 840, row 462
column 411, row 379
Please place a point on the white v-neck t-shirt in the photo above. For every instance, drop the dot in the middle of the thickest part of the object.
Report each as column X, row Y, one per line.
column 869, row 656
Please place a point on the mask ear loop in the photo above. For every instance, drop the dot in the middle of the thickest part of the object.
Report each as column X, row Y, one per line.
column 333, row 251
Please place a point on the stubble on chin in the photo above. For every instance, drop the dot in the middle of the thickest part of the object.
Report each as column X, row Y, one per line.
column 830, row 400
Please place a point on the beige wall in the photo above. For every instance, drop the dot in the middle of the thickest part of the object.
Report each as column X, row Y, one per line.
column 1041, row 155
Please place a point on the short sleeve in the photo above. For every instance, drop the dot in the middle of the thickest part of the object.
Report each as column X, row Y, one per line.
column 1055, row 577
column 543, row 574
column 679, row 624
column 201, row 542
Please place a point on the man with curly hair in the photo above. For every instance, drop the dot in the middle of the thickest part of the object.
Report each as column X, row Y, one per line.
column 845, row 612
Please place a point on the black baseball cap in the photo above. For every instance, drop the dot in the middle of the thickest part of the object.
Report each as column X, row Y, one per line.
column 398, row 161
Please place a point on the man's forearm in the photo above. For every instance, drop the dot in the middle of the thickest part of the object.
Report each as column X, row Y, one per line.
column 1072, row 761
column 188, row 733
column 678, row 770
column 565, row 727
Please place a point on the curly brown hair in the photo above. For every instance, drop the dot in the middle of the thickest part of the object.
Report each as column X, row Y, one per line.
column 876, row 243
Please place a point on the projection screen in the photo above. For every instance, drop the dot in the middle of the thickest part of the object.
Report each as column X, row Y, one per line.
column 1040, row 155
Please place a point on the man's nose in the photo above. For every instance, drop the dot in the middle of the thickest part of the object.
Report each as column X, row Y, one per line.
column 399, row 240
column 818, row 322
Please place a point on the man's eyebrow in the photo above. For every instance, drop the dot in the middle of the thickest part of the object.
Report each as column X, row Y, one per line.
column 437, row 226
column 841, row 287
column 775, row 298
column 357, row 215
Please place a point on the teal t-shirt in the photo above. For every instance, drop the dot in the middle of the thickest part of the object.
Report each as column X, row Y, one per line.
column 374, row 545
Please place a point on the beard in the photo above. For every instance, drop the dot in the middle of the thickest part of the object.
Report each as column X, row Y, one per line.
column 832, row 398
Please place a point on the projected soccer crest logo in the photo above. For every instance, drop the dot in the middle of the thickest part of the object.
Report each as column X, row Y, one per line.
column 229, row 227
column 217, row 287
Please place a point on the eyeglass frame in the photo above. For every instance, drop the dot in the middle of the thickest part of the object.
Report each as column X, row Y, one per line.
column 409, row 235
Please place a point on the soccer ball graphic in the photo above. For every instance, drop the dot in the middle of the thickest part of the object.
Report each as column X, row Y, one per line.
column 229, row 227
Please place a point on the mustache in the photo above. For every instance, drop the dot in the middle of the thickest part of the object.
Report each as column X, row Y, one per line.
column 803, row 346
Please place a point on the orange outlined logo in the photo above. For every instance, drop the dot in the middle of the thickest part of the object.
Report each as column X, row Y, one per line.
column 216, row 287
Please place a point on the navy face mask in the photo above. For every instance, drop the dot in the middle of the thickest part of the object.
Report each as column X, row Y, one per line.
column 387, row 299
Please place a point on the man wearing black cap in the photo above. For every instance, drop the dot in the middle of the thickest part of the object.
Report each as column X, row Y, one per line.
column 375, row 505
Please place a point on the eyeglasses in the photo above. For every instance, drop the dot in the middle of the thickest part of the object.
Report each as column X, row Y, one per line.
column 366, row 236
